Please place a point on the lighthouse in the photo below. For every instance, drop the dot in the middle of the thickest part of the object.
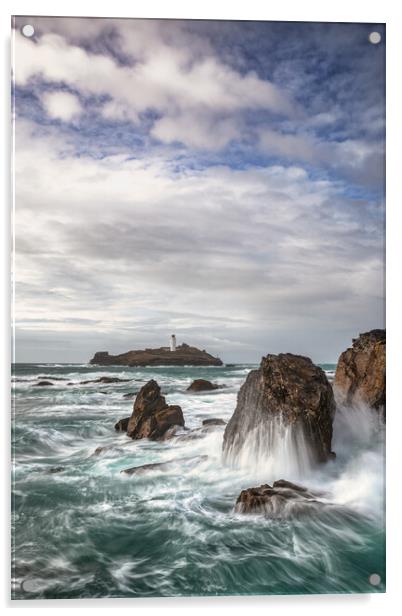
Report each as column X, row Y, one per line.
column 172, row 342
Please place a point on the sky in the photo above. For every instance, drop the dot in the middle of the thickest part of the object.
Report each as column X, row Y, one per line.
column 223, row 181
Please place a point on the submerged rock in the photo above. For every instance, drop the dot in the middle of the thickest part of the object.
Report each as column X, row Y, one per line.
column 214, row 421
column 162, row 466
column 130, row 395
column 43, row 384
column 281, row 500
column 122, row 424
column 152, row 417
column 360, row 372
column 289, row 395
column 203, row 385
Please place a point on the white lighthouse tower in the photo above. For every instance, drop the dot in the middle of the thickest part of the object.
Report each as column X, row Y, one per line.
column 172, row 342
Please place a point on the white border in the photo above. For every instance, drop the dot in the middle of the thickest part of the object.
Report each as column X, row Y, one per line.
column 307, row 10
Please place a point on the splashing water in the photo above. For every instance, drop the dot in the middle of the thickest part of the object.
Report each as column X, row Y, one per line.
column 275, row 448
column 83, row 529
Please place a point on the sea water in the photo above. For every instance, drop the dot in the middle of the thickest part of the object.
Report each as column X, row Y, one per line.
column 81, row 528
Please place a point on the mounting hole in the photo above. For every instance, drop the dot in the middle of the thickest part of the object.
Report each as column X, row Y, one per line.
column 28, row 30
column 375, row 38
column 374, row 579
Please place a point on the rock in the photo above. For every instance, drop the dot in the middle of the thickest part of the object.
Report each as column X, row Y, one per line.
column 162, row 466
column 106, row 380
column 56, row 469
column 43, row 384
column 202, row 385
column 122, row 425
column 214, row 421
column 281, row 500
column 130, row 395
column 184, row 355
column 152, row 417
column 287, row 392
column 360, row 372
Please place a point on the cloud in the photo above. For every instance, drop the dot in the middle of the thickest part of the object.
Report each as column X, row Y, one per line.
column 120, row 241
column 184, row 89
column 62, row 105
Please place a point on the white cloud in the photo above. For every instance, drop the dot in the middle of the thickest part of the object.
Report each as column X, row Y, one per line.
column 62, row 105
column 184, row 88
column 250, row 256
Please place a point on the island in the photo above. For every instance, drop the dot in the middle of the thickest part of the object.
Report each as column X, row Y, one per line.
column 182, row 355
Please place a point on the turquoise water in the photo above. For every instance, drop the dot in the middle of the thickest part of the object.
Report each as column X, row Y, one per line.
column 82, row 529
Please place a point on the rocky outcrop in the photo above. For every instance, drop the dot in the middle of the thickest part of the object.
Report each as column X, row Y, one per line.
column 122, row 425
column 360, row 372
column 214, row 421
column 152, row 417
column 184, row 355
column 286, row 392
column 202, row 385
column 281, row 500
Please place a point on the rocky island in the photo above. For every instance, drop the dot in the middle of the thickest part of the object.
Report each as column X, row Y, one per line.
column 182, row 355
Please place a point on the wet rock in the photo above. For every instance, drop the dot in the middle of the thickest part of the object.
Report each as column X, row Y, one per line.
column 152, row 417
column 56, row 469
column 214, row 421
column 360, row 372
column 202, row 385
column 281, row 500
column 122, row 424
column 107, row 380
column 162, row 466
column 286, row 392
column 130, row 395
column 43, row 384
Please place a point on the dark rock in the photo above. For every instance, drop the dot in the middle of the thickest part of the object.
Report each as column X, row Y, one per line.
column 184, row 355
column 152, row 417
column 202, row 385
column 122, row 424
column 360, row 372
column 287, row 390
column 162, row 466
column 281, row 500
column 107, row 380
column 56, row 469
column 214, row 421
column 43, row 384
column 130, row 395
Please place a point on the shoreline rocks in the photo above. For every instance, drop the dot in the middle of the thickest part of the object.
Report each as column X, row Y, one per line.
column 360, row 372
column 281, row 500
column 287, row 391
column 152, row 417
column 203, row 385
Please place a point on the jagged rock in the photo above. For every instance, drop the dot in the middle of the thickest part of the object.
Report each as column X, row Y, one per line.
column 122, row 425
column 360, row 372
column 152, row 417
column 184, row 355
column 281, row 500
column 214, row 421
column 202, row 385
column 286, row 391
column 162, row 466
column 43, row 384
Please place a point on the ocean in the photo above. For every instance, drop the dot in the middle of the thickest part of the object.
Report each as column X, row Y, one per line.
column 81, row 529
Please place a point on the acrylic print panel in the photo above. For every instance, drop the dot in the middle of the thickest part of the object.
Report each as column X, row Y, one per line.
column 198, row 377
